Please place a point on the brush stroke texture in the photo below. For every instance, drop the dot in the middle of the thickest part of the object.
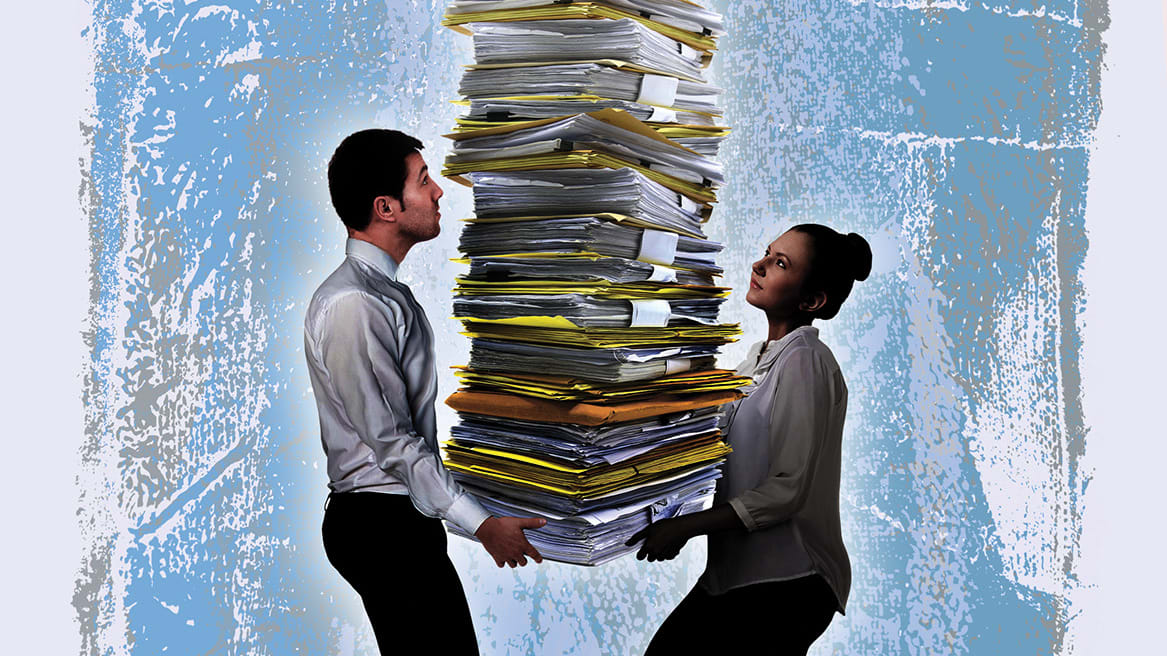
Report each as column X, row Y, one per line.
column 954, row 135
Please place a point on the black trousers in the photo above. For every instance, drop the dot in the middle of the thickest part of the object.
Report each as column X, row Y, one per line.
column 782, row 617
column 395, row 558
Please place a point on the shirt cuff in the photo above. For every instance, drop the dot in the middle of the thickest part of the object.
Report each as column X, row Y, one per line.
column 467, row 513
column 740, row 508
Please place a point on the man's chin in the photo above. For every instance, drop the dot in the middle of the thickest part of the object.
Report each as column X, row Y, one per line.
column 419, row 236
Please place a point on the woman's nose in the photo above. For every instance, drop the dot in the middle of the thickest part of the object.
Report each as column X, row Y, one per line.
column 758, row 269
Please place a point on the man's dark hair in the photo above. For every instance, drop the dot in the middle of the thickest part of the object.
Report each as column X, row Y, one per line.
column 368, row 164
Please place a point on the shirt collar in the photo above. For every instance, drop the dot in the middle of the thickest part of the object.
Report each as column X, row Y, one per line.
column 373, row 256
column 770, row 349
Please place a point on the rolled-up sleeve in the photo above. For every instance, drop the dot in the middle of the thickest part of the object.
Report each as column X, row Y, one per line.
column 799, row 421
column 360, row 345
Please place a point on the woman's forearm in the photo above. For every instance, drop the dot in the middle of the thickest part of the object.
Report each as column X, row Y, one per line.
column 664, row 539
column 721, row 517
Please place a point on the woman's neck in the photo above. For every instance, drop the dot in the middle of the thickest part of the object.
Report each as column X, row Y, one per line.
column 782, row 326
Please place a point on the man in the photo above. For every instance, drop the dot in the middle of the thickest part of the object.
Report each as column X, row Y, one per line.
column 371, row 361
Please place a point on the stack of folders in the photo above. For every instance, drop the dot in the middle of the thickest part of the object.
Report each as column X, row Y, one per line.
column 592, row 396
column 550, row 58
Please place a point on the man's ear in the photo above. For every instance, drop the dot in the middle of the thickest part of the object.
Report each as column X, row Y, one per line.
column 385, row 208
column 813, row 302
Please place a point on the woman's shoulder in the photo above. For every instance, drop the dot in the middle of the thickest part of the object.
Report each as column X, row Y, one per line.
column 806, row 345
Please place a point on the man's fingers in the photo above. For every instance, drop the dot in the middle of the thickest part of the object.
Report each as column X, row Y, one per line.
column 532, row 522
column 532, row 551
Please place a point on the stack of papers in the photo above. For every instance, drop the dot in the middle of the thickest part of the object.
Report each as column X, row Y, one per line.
column 549, row 58
column 591, row 396
column 551, row 85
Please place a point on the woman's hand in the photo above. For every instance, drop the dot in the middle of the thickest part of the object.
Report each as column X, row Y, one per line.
column 663, row 540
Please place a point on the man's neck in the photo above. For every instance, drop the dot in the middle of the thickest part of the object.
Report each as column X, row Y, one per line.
column 395, row 246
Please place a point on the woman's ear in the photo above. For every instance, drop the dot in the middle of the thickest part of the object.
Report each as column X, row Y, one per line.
column 813, row 302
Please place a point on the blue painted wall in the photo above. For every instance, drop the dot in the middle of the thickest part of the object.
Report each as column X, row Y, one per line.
column 953, row 135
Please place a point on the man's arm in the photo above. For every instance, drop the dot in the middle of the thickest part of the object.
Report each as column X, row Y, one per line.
column 360, row 348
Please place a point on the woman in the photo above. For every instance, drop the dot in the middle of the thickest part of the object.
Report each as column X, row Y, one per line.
column 777, row 569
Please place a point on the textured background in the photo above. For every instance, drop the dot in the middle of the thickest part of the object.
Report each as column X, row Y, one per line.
column 955, row 136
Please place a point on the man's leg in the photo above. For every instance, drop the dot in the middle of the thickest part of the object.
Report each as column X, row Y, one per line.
column 395, row 558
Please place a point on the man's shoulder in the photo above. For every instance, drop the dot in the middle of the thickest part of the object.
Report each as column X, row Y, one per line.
column 342, row 281
column 348, row 289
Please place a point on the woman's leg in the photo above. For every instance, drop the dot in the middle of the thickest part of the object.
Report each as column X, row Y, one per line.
column 782, row 618
column 814, row 606
column 685, row 629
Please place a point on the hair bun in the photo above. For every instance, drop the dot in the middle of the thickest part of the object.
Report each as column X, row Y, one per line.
column 859, row 255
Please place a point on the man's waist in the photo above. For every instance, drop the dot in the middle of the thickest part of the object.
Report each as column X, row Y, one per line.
column 384, row 486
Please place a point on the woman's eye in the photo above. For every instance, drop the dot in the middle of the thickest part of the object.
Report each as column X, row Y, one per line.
column 781, row 264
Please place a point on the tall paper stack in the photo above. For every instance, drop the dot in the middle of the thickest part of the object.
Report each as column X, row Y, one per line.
column 591, row 397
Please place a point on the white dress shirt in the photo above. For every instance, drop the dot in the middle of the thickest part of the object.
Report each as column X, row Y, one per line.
column 370, row 356
column 782, row 478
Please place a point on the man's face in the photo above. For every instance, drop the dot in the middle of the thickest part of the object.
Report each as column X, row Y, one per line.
column 419, row 215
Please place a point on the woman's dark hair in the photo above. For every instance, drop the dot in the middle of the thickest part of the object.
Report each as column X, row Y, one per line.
column 836, row 262
column 367, row 164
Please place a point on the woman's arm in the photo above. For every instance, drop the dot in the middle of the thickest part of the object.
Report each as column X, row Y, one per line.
column 799, row 419
column 663, row 540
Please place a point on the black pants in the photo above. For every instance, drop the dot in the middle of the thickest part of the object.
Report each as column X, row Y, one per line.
column 782, row 617
column 395, row 558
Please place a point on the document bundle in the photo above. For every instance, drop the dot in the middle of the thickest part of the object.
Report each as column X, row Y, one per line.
column 591, row 397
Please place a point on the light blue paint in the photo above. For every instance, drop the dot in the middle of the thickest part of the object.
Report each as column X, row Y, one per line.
column 954, row 140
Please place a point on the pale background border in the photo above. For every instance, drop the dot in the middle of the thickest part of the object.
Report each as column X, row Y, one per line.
column 43, row 269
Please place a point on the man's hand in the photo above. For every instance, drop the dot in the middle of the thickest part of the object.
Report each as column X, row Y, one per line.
column 662, row 540
column 504, row 540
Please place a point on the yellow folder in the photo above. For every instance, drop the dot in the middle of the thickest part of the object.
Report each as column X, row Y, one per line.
column 613, row 63
column 557, row 330
column 576, row 10
column 599, row 289
column 564, row 388
column 667, row 130
column 513, row 406
column 578, row 159
column 552, row 477
column 616, row 117
column 611, row 216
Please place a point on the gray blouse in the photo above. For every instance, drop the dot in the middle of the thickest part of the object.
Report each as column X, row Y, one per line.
column 782, row 477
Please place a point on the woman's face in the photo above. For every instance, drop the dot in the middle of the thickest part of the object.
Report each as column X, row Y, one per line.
column 776, row 279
